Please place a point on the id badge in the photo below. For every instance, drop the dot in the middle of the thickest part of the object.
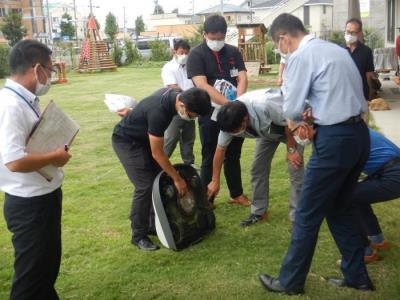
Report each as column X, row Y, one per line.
column 234, row 72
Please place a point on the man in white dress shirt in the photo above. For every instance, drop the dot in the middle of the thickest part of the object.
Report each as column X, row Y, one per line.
column 32, row 206
column 174, row 75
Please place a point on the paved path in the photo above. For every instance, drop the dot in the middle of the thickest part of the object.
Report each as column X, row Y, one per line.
column 388, row 121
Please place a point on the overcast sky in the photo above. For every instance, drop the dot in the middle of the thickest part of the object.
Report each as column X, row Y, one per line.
column 134, row 8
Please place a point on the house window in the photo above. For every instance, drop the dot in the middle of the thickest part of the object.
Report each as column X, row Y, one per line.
column 2, row 12
column 17, row 10
column 324, row 9
column 306, row 15
column 390, row 20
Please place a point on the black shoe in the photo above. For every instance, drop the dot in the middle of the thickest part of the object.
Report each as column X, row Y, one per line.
column 152, row 231
column 273, row 285
column 146, row 244
column 341, row 283
column 253, row 219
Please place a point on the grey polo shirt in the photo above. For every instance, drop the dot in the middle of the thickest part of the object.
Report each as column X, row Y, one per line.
column 265, row 106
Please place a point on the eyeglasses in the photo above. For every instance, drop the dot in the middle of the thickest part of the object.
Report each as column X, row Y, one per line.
column 50, row 69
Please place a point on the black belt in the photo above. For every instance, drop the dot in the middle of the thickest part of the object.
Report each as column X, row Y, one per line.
column 351, row 120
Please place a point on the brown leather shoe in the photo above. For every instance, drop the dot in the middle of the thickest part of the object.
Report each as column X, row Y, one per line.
column 241, row 200
column 380, row 246
column 374, row 257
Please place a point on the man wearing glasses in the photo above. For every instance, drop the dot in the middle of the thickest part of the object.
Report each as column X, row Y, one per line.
column 32, row 206
column 360, row 53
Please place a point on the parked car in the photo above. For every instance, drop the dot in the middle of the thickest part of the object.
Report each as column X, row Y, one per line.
column 143, row 45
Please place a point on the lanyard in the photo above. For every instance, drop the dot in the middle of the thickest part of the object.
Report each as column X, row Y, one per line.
column 24, row 99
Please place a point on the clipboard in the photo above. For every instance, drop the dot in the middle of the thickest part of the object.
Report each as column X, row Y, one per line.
column 53, row 130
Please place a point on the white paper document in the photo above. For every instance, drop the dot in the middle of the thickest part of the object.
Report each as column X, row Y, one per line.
column 54, row 130
column 116, row 102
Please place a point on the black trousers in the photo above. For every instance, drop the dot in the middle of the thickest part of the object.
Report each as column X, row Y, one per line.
column 380, row 187
column 209, row 131
column 141, row 169
column 35, row 223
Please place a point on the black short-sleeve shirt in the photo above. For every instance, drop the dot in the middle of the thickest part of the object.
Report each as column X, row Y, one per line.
column 364, row 59
column 151, row 116
column 225, row 64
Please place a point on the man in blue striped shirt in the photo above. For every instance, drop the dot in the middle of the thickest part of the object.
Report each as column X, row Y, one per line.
column 324, row 74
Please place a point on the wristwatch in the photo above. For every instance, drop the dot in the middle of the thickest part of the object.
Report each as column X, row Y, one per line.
column 291, row 149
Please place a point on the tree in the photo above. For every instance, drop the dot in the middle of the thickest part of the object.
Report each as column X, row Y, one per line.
column 67, row 27
column 139, row 25
column 12, row 27
column 111, row 28
column 158, row 10
column 175, row 11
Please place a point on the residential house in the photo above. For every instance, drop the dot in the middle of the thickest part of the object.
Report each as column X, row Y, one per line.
column 232, row 13
column 32, row 16
column 317, row 15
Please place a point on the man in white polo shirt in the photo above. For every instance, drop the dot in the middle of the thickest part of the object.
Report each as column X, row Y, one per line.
column 32, row 206
column 174, row 76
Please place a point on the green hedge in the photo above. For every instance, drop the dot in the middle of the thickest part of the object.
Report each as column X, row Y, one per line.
column 4, row 67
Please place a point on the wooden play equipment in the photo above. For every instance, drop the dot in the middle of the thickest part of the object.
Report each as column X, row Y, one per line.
column 94, row 53
column 251, row 44
column 61, row 69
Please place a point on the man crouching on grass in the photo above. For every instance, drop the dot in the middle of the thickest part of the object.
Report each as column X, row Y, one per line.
column 138, row 141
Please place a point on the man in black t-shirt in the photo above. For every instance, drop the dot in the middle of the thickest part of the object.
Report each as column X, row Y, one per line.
column 211, row 61
column 360, row 53
column 138, row 141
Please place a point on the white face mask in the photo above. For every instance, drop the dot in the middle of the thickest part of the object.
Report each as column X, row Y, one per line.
column 350, row 39
column 301, row 142
column 215, row 45
column 181, row 59
column 184, row 116
column 42, row 89
column 285, row 56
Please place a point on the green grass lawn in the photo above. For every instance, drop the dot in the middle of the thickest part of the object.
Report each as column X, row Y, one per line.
column 98, row 259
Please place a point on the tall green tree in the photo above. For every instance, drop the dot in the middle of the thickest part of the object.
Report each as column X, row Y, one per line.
column 111, row 28
column 12, row 27
column 67, row 27
column 139, row 25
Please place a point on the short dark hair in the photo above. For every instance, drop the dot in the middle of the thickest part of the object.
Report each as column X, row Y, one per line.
column 179, row 43
column 231, row 115
column 27, row 53
column 286, row 24
column 196, row 100
column 214, row 24
column 356, row 21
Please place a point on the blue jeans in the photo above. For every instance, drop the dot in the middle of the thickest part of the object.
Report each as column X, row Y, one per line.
column 338, row 156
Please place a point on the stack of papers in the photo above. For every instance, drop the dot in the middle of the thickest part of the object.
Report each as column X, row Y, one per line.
column 117, row 102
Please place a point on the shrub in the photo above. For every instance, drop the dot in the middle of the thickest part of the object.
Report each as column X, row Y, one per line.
column 337, row 37
column 159, row 51
column 131, row 52
column 272, row 57
column 116, row 54
column 4, row 66
column 373, row 38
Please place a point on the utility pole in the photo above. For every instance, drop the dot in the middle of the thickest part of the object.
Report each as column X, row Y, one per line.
column 222, row 8
column 251, row 11
column 76, row 24
column 91, row 8
column 49, row 22
column 124, row 25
